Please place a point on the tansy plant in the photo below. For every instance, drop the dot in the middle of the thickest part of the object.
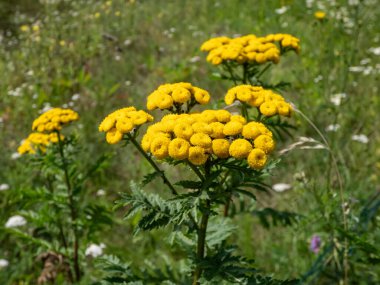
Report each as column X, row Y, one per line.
column 229, row 156
column 61, row 216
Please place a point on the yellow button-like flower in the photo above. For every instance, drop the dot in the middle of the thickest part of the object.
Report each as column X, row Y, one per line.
column 252, row 130
column 217, row 130
column 268, row 108
column 181, row 95
column 183, row 130
column 320, row 15
column 201, row 127
column 164, row 101
column 229, row 98
column 179, row 148
column 208, row 116
column 124, row 125
column 233, row 128
column 146, row 142
column 159, row 147
column 223, row 116
column 220, row 147
column 265, row 143
column 256, row 100
column 197, row 155
column 257, row 159
column 201, row 96
column 113, row 136
column 240, row 148
column 200, row 139
column 238, row 118
column 283, row 108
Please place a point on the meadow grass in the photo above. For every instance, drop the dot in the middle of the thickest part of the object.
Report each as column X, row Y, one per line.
column 113, row 54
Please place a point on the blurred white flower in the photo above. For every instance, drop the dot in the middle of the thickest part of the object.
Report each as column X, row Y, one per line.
column 375, row 50
column 3, row 263
column 15, row 155
column 45, row 108
column 318, row 78
column 353, row 2
column 281, row 10
column 95, row 250
column 29, row 73
column 332, row 128
column 309, row 3
column 194, row 59
column 127, row 42
column 4, row 187
column 281, row 187
column 365, row 61
column 100, row 192
column 360, row 138
column 15, row 221
column 75, row 97
column 356, row 68
column 336, row 99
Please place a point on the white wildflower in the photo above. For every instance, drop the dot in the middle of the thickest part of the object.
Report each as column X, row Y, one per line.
column 375, row 50
column 281, row 187
column 332, row 128
column 360, row 138
column 356, row 68
column 95, row 250
column 281, row 10
column 100, row 192
column 4, row 187
column 15, row 221
column 336, row 99
column 3, row 263
column 318, row 78
column 15, row 155
column 194, row 59
column 75, row 97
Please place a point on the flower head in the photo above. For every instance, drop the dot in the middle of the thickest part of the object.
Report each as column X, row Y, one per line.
column 54, row 119
column 121, row 122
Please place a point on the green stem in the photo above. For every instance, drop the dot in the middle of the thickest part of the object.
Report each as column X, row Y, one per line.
column 196, row 170
column 201, row 241
column 72, row 208
column 230, row 71
column 264, row 70
column 163, row 176
column 245, row 73
column 155, row 166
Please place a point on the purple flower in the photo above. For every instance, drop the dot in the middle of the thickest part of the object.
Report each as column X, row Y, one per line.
column 315, row 244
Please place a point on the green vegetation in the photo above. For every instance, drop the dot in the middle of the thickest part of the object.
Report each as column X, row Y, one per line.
column 98, row 56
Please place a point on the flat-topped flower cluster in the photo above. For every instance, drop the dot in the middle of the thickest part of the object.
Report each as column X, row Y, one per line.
column 198, row 137
column 249, row 48
column 47, row 129
column 267, row 102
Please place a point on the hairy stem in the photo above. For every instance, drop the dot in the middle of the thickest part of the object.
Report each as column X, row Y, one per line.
column 72, row 209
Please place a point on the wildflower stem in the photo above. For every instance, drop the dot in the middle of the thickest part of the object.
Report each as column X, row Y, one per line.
column 155, row 166
column 201, row 240
column 340, row 181
column 72, row 208
column 196, row 170
column 164, row 178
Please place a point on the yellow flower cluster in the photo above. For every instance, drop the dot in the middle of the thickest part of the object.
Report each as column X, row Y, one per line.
column 199, row 136
column 37, row 141
column 54, row 119
column 249, row 48
column 267, row 102
column 122, row 121
column 168, row 96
